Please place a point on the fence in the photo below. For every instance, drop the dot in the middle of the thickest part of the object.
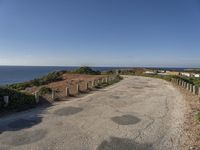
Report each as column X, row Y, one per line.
column 74, row 89
column 188, row 86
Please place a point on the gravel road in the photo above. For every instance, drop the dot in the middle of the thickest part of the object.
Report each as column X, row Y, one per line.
column 137, row 113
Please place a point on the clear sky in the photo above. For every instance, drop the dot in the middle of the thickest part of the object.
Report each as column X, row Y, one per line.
column 100, row 32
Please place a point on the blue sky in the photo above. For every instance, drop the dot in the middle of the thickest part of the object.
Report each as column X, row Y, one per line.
column 100, row 32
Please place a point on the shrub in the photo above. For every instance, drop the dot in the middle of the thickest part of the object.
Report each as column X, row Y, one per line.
column 45, row 90
column 86, row 70
column 51, row 77
column 17, row 100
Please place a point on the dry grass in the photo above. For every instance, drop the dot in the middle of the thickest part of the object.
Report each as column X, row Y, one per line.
column 70, row 81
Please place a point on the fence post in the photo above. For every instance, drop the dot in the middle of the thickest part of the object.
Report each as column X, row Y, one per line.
column 194, row 89
column 199, row 91
column 176, row 81
column 87, row 86
column 188, row 86
column 92, row 83
column 6, row 100
column 77, row 88
column 106, row 79
column 185, row 85
column 37, row 98
column 53, row 95
column 191, row 88
column 179, row 81
column 67, row 91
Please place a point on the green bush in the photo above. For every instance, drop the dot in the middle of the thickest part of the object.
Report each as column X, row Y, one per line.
column 17, row 100
column 86, row 70
column 45, row 90
column 51, row 77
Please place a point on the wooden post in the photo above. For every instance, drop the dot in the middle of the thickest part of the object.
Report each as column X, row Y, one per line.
column 6, row 100
column 106, row 79
column 92, row 83
column 188, row 86
column 67, row 91
column 37, row 98
column 199, row 91
column 87, row 86
column 184, row 85
column 194, row 89
column 53, row 94
column 176, row 81
column 77, row 88
column 191, row 88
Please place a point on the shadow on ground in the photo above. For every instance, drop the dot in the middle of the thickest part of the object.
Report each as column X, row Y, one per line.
column 10, row 123
column 116, row 143
column 23, row 137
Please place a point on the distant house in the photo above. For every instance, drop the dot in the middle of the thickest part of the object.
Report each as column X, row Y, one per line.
column 161, row 71
column 185, row 74
column 196, row 75
column 149, row 72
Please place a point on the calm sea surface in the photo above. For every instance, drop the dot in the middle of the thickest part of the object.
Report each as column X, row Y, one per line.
column 15, row 74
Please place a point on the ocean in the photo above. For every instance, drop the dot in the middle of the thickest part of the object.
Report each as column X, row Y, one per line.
column 16, row 74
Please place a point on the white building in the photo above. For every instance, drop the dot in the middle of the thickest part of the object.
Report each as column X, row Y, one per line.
column 196, row 75
column 185, row 74
column 149, row 72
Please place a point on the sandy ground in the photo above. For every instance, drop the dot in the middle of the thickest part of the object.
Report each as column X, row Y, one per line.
column 191, row 125
column 137, row 113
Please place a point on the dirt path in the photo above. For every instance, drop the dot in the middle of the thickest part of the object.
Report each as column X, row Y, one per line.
column 136, row 113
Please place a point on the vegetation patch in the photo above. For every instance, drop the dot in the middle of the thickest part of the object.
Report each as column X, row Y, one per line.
column 45, row 90
column 51, row 77
column 17, row 100
column 86, row 70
